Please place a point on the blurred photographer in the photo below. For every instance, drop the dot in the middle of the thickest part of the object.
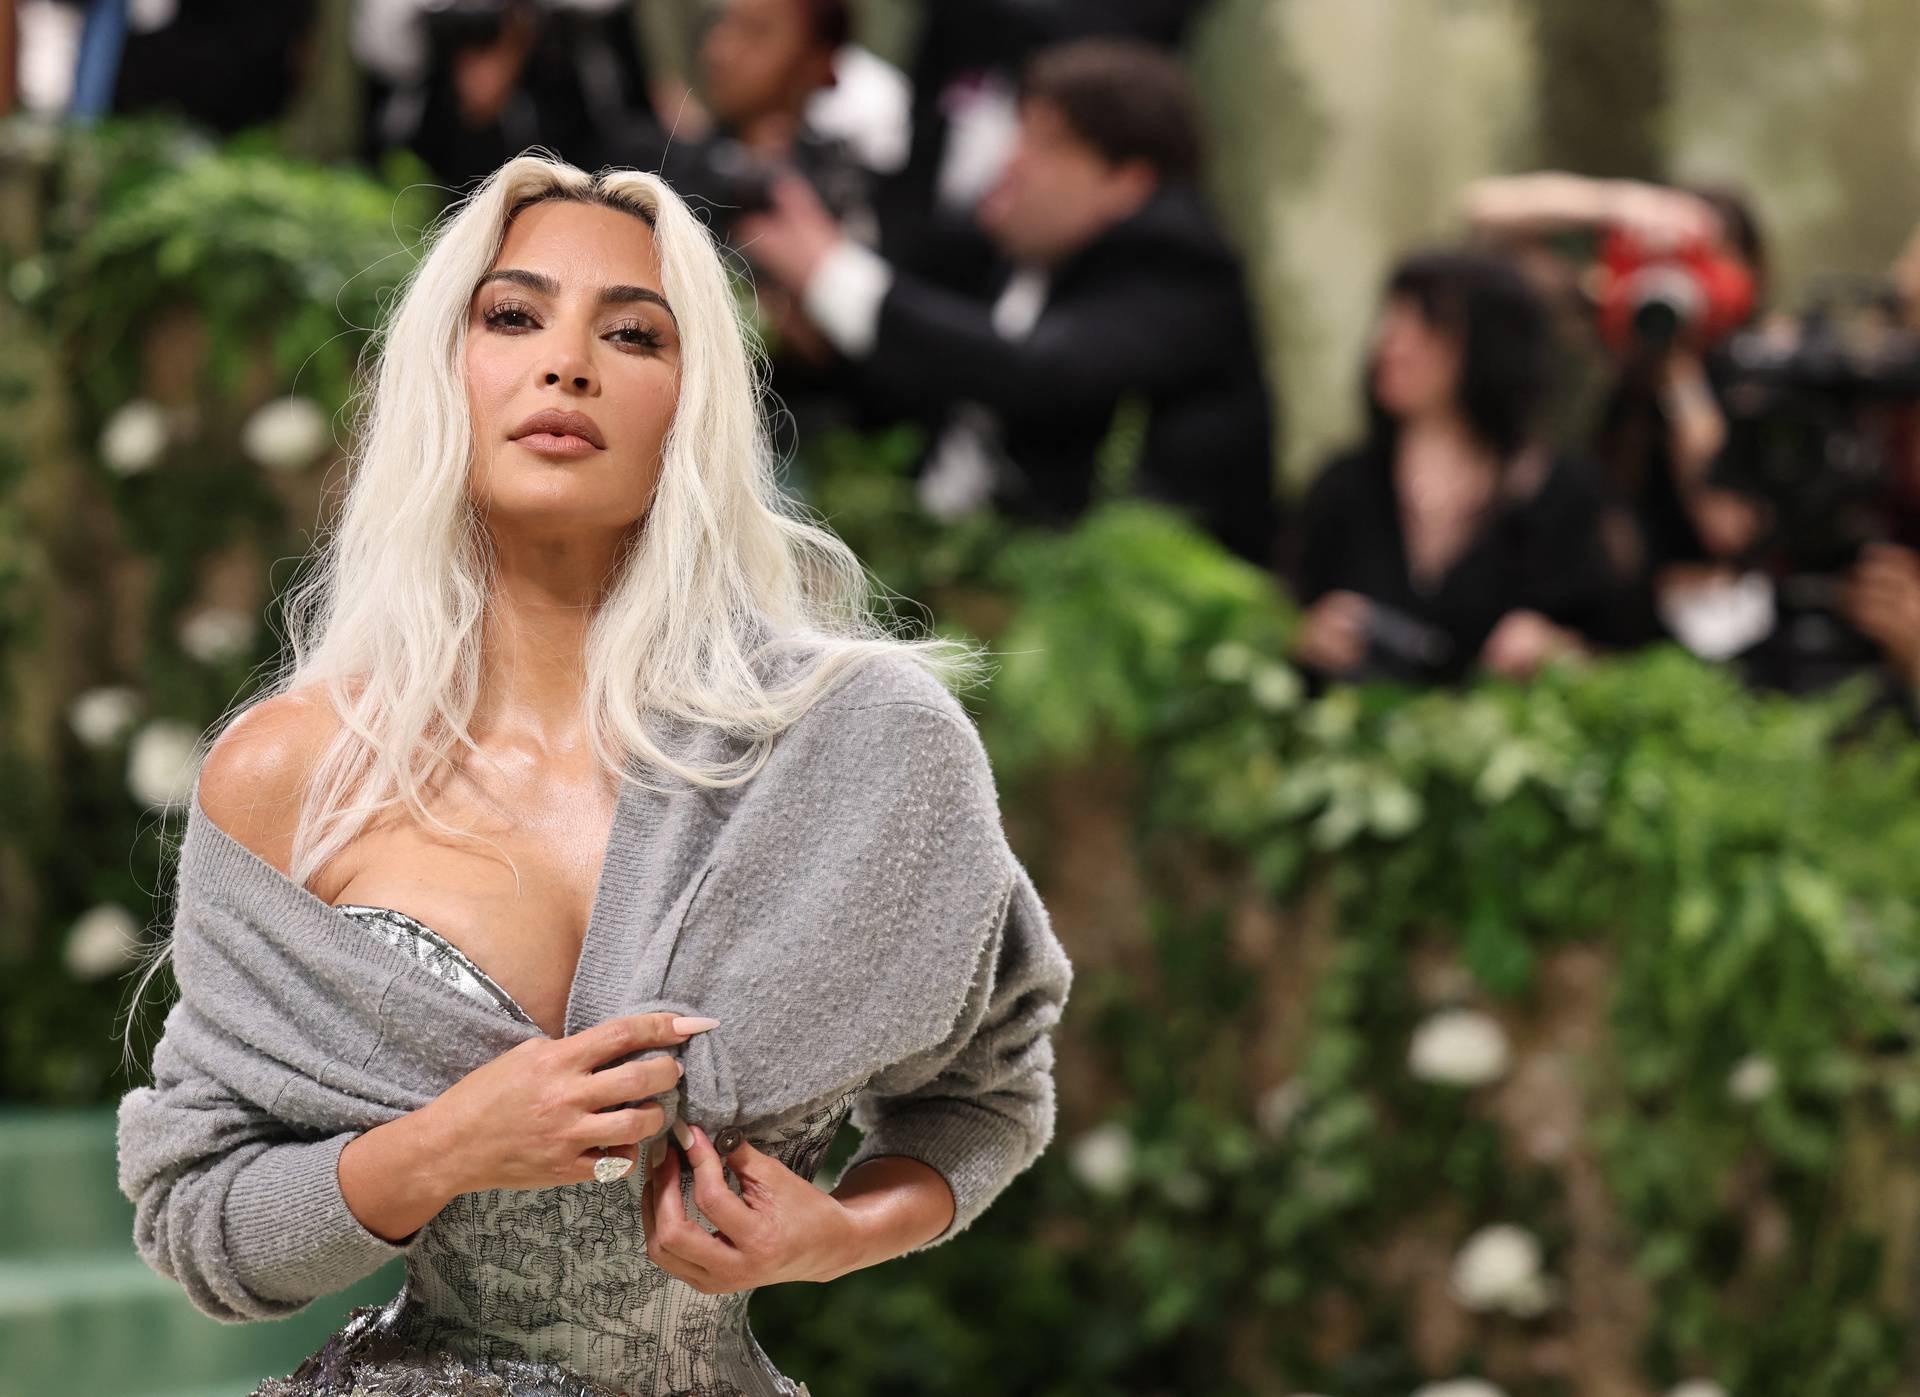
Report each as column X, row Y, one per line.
column 1453, row 538
column 1116, row 283
column 1648, row 283
column 466, row 84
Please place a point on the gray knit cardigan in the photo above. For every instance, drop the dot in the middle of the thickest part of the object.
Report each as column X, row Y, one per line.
column 851, row 914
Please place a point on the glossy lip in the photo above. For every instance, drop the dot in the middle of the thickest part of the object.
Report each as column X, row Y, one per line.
column 555, row 423
column 548, row 444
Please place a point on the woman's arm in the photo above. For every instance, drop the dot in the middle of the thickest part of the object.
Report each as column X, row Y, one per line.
column 979, row 1107
column 249, row 1219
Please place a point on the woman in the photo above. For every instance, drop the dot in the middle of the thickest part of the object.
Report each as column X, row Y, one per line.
column 566, row 608
column 1451, row 537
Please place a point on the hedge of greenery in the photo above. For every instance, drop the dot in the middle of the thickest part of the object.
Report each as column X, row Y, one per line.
column 1552, row 1034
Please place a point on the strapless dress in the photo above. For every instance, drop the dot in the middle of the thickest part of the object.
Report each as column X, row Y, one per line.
column 548, row 1292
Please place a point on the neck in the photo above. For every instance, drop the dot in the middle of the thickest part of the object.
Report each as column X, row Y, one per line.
column 533, row 645
column 1443, row 432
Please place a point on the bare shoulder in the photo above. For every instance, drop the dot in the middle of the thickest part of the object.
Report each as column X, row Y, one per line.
column 253, row 776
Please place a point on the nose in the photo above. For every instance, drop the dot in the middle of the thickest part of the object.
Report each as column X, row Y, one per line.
column 569, row 364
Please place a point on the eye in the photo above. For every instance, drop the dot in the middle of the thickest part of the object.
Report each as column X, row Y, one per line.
column 646, row 336
column 498, row 315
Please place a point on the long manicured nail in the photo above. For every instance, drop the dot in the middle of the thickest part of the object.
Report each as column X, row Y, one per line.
column 686, row 1023
column 657, row 1151
column 682, row 1134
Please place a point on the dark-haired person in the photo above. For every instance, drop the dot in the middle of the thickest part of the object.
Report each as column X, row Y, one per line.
column 1658, row 424
column 1452, row 537
column 1118, row 284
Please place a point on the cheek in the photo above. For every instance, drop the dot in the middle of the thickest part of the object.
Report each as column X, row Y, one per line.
column 490, row 376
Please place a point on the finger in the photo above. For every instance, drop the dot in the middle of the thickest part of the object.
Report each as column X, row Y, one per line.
column 627, row 1127
column 628, row 1033
column 676, row 1233
column 631, row 1081
column 726, row 1209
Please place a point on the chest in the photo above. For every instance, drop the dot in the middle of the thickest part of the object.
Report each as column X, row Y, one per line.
column 516, row 895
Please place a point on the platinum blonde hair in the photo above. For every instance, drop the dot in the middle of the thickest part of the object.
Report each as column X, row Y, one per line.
column 725, row 572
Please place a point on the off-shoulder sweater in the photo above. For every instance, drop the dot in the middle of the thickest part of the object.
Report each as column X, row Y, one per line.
column 852, row 914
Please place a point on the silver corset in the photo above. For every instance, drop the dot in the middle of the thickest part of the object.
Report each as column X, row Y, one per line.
column 548, row 1292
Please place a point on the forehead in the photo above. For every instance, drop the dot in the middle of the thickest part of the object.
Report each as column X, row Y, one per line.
column 581, row 245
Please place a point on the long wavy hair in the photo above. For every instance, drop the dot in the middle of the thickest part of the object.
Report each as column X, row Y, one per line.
column 725, row 577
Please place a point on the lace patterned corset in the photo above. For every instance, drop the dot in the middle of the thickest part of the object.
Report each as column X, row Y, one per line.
column 550, row 1290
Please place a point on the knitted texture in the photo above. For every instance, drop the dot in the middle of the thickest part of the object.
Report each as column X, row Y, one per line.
column 852, row 914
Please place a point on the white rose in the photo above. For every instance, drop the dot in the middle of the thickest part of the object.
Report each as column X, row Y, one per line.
column 216, row 633
column 1459, row 1387
column 134, row 437
column 1230, row 661
column 1461, row 1047
column 1275, row 687
column 1753, row 1077
column 1499, row 1269
column 99, row 715
column 1102, row 1159
column 161, row 768
column 103, row 939
column 286, row 433
column 1698, row 1387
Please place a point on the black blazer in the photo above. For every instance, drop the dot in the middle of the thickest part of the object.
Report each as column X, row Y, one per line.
column 1155, row 307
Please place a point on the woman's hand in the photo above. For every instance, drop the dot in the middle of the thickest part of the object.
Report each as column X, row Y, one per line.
column 533, row 1117
column 779, row 1227
column 1525, row 640
column 1333, row 633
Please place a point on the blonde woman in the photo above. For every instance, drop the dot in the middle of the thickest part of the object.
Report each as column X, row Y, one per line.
column 595, row 855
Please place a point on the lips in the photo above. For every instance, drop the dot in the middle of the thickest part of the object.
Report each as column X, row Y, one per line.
column 562, row 424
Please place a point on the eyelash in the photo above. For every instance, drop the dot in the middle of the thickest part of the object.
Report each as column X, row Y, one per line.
column 650, row 338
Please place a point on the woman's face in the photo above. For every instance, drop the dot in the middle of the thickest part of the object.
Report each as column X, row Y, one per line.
column 571, row 317
column 1416, row 365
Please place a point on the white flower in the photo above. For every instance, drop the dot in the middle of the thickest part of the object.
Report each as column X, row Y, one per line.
column 1461, row 1047
column 286, row 433
column 1102, row 1159
column 1459, row 1387
column 1698, row 1387
column 1230, row 661
column 161, row 768
column 99, row 715
column 216, row 633
column 1275, row 687
column 1278, row 1106
column 1753, row 1077
column 1499, row 1269
column 103, row 939
column 134, row 437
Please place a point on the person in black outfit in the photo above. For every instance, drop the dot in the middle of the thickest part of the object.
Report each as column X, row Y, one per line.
column 1452, row 537
column 1120, row 286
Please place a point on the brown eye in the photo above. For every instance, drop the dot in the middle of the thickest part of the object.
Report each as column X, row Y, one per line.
column 498, row 315
column 645, row 335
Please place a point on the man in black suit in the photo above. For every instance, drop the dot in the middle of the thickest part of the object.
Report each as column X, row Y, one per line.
column 1120, row 286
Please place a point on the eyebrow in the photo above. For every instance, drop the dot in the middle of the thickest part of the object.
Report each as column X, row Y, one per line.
column 547, row 286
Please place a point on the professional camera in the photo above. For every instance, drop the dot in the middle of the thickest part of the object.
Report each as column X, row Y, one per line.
column 1655, row 298
column 1813, row 409
column 1403, row 648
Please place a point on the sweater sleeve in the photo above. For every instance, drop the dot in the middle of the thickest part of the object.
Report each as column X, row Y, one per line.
column 231, row 1203
column 979, row 1106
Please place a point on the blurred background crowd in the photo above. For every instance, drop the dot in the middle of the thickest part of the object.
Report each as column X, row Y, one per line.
column 1587, row 426
column 1553, row 362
